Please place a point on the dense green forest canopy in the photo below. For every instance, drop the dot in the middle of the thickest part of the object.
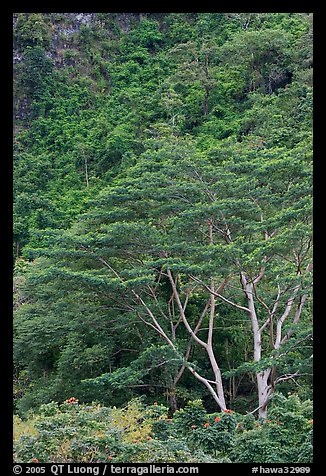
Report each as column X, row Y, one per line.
column 162, row 212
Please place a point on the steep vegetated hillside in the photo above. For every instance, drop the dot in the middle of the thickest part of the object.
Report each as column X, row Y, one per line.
column 162, row 229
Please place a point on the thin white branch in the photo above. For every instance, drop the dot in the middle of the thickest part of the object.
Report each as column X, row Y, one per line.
column 153, row 294
column 110, row 268
column 296, row 318
column 187, row 354
column 216, row 294
column 208, row 385
column 284, row 316
column 180, row 306
column 260, row 275
column 156, row 324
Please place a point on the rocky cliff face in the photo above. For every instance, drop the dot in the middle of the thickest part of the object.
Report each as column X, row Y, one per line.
column 57, row 32
column 60, row 36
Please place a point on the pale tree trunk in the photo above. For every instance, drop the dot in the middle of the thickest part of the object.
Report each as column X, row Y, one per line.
column 217, row 394
column 264, row 391
column 180, row 372
column 210, row 351
column 263, row 387
column 265, row 378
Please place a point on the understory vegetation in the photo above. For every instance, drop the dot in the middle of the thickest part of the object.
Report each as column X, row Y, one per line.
column 139, row 433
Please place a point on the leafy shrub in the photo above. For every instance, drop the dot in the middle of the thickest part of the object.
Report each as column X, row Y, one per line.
column 286, row 436
column 70, row 432
column 139, row 433
column 212, row 433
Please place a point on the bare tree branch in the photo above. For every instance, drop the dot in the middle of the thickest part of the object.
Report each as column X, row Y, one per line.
column 180, row 306
column 280, row 321
column 187, row 354
column 216, row 294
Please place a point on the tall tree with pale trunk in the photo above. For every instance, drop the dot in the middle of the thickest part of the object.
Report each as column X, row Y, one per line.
column 234, row 231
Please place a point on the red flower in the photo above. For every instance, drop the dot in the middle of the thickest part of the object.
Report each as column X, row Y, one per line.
column 109, row 458
column 194, row 426
column 267, row 421
column 72, row 400
column 206, row 425
column 228, row 411
column 34, row 460
column 217, row 419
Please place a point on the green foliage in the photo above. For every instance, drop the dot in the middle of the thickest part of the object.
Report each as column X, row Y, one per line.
column 150, row 359
column 156, row 218
column 214, row 433
column 36, row 77
column 266, row 61
column 31, row 29
column 68, row 432
column 61, row 433
column 285, row 436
